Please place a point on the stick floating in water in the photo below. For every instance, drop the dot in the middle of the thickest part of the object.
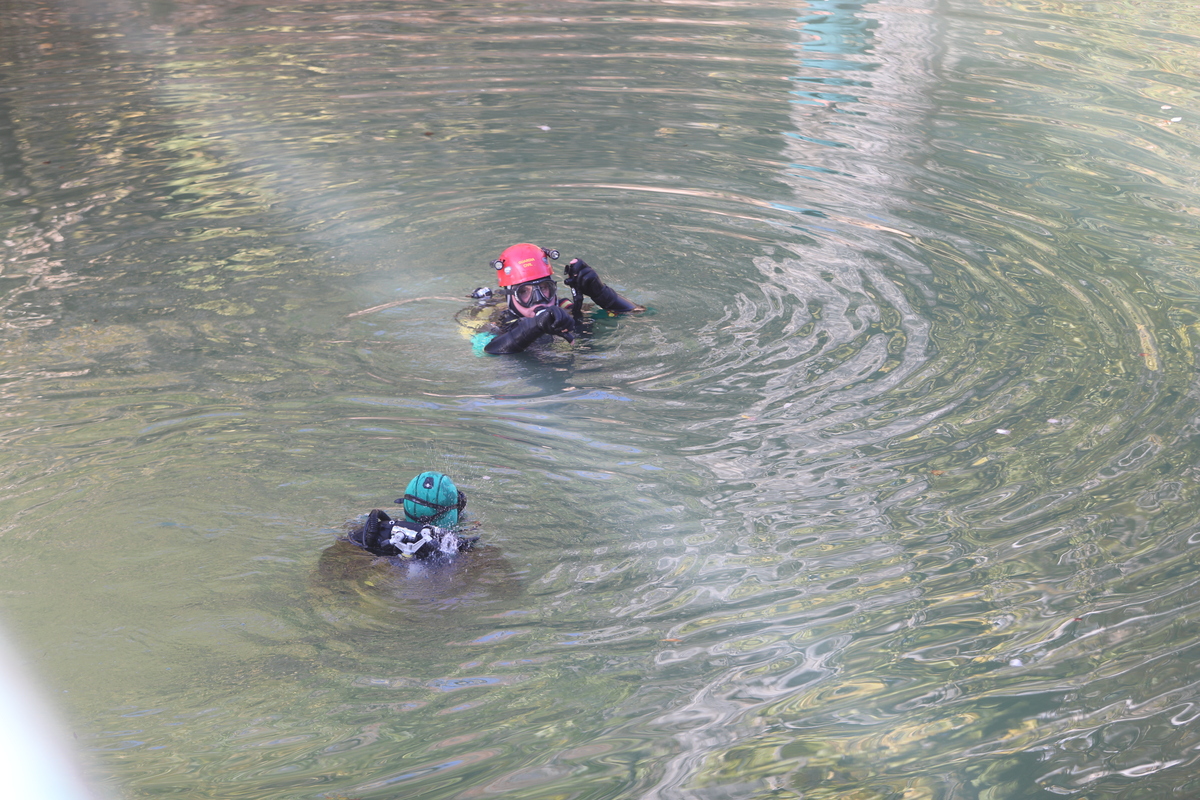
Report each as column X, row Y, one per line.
column 395, row 303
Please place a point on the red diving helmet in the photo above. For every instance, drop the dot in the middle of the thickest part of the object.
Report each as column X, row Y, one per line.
column 522, row 263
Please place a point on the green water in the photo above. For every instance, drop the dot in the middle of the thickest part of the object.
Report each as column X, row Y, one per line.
column 891, row 494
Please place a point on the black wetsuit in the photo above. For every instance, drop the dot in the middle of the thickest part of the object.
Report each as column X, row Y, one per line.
column 385, row 536
column 504, row 331
column 514, row 333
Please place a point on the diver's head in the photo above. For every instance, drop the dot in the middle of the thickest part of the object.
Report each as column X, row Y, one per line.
column 432, row 499
column 527, row 278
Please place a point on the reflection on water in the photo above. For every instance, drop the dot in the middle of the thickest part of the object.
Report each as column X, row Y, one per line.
column 890, row 494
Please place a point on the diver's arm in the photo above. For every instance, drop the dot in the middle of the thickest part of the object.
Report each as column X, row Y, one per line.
column 582, row 277
column 553, row 320
column 523, row 333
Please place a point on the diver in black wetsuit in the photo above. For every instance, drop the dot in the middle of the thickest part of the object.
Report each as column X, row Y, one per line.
column 534, row 309
column 432, row 504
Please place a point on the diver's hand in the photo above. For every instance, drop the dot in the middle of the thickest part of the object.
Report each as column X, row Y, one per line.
column 555, row 321
column 582, row 277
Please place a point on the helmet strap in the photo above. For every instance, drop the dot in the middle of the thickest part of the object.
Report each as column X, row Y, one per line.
column 427, row 519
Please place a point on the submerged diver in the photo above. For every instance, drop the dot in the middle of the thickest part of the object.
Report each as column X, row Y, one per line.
column 534, row 309
column 432, row 504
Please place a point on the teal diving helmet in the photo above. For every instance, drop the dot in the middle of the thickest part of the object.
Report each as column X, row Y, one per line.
column 432, row 499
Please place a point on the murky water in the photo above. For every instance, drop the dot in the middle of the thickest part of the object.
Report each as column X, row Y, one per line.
column 891, row 494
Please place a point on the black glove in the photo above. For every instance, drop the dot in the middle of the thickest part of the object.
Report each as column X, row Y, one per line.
column 582, row 277
column 555, row 321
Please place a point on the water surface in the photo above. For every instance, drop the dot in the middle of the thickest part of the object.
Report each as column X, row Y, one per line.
column 891, row 493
